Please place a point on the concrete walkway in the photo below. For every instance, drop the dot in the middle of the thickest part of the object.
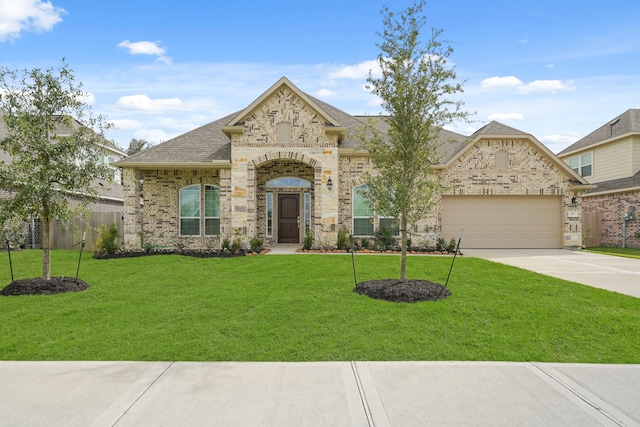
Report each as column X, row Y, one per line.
column 317, row 394
column 609, row 272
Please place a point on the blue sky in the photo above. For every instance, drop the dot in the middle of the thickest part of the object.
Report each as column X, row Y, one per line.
column 556, row 69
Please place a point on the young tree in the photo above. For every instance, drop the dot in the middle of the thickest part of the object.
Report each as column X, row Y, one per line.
column 415, row 86
column 54, row 158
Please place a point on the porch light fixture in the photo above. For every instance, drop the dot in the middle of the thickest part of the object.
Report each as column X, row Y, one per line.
column 574, row 201
column 329, row 183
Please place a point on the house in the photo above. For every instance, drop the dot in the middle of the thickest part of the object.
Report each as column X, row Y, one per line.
column 107, row 207
column 609, row 157
column 288, row 165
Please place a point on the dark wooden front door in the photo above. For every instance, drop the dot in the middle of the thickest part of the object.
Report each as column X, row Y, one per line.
column 289, row 218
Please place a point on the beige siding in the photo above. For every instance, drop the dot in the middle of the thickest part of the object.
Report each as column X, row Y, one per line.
column 612, row 161
column 636, row 154
column 503, row 221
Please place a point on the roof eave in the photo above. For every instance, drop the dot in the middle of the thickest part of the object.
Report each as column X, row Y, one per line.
column 218, row 164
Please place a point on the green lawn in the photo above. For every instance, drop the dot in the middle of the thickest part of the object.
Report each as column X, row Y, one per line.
column 623, row 252
column 302, row 308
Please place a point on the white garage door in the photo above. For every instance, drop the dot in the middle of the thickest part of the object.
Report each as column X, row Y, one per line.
column 503, row 221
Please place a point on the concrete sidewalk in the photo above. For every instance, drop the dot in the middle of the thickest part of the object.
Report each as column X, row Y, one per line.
column 317, row 394
column 609, row 272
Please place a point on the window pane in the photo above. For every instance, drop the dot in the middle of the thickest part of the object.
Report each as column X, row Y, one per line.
column 289, row 181
column 212, row 226
column 190, row 201
column 586, row 171
column 361, row 205
column 573, row 162
column 189, row 227
column 585, row 159
column 307, row 211
column 391, row 224
column 362, row 227
column 211, row 201
column 269, row 214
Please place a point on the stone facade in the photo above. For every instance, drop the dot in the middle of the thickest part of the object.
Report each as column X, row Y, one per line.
column 285, row 133
column 612, row 207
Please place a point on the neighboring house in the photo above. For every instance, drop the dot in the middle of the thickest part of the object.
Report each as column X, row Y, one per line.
column 609, row 157
column 109, row 202
column 288, row 164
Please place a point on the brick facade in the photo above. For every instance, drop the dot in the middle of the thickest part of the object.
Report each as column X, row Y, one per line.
column 612, row 207
column 283, row 135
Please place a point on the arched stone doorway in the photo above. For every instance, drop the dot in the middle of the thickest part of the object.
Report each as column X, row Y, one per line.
column 286, row 200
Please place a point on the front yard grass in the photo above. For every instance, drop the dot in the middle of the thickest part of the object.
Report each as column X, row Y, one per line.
column 623, row 252
column 302, row 308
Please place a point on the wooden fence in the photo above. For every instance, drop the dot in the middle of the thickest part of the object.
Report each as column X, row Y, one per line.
column 71, row 236
column 592, row 229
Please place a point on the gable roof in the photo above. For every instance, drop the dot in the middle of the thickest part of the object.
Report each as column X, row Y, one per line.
column 498, row 130
column 274, row 88
column 625, row 124
column 210, row 145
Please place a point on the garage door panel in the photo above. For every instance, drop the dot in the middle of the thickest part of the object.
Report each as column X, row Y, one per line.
column 503, row 221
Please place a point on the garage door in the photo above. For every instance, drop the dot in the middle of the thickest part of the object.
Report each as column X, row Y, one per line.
column 503, row 221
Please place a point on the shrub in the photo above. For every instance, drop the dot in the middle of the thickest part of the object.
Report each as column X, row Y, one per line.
column 343, row 238
column 226, row 244
column 237, row 240
column 452, row 245
column 441, row 244
column 384, row 238
column 107, row 240
column 308, row 240
column 255, row 245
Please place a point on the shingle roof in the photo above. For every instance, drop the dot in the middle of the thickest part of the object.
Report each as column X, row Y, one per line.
column 495, row 128
column 205, row 144
column 617, row 184
column 627, row 122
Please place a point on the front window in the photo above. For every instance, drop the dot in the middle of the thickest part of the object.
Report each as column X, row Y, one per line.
column 362, row 212
column 289, row 181
column 307, row 212
column 190, row 211
column 211, row 210
column 582, row 164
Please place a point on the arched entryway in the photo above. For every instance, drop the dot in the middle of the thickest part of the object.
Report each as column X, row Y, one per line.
column 285, row 200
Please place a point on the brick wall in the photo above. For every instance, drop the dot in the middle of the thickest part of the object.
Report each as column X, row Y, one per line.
column 612, row 207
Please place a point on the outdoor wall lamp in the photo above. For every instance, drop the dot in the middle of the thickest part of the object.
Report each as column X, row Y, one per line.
column 329, row 183
column 574, row 201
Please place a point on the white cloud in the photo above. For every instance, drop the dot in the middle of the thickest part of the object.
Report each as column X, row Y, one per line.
column 506, row 116
column 358, row 71
column 154, row 136
column 17, row 16
column 325, row 93
column 126, row 124
column 536, row 86
column 501, row 82
column 146, row 48
column 551, row 66
column 523, row 41
column 144, row 104
column 553, row 86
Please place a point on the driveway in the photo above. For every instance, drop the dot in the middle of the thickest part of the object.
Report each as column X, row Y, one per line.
column 613, row 273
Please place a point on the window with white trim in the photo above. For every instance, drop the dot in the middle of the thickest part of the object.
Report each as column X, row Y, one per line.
column 582, row 164
column 211, row 210
column 362, row 212
column 190, row 211
column 269, row 214
column 192, row 215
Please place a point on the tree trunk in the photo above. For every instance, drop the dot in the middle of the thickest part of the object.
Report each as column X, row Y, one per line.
column 46, row 248
column 403, row 248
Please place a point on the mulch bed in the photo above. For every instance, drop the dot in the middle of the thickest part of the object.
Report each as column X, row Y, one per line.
column 396, row 290
column 39, row 286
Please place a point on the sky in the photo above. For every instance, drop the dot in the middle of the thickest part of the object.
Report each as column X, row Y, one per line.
column 557, row 69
